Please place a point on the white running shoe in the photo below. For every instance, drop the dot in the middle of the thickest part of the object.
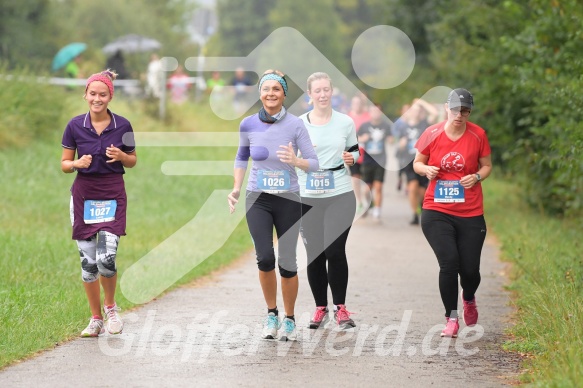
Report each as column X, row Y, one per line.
column 289, row 332
column 376, row 212
column 94, row 328
column 113, row 321
column 270, row 327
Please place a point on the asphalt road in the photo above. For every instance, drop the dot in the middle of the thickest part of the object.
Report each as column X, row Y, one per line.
column 207, row 334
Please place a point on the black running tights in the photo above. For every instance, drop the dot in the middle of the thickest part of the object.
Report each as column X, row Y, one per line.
column 457, row 243
column 326, row 223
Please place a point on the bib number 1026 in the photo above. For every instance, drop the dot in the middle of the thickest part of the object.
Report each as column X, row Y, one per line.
column 273, row 181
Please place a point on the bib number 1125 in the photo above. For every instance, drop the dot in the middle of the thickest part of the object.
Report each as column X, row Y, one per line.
column 449, row 192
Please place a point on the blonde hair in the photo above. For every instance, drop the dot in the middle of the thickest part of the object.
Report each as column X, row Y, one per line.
column 314, row 77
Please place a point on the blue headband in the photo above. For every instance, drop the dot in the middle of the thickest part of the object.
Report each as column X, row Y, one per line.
column 273, row 76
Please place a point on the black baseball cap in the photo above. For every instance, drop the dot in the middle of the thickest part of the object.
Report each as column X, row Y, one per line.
column 460, row 97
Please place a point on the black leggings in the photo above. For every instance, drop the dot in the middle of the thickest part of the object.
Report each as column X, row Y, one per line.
column 457, row 243
column 325, row 226
column 284, row 211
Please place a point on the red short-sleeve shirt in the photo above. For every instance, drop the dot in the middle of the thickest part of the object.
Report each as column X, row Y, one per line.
column 455, row 160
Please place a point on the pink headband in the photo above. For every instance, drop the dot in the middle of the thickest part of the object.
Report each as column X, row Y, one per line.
column 103, row 77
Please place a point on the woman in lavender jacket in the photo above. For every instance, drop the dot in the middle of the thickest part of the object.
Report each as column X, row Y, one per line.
column 272, row 138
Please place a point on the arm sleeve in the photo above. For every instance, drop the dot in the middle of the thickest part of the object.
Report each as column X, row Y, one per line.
column 244, row 151
column 305, row 146
column 129, row 143
column 68, row 138
column 485, row 150
column 351, row 140
column 423, row 143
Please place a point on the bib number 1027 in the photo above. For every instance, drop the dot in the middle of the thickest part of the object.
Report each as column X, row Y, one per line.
column 95, row 211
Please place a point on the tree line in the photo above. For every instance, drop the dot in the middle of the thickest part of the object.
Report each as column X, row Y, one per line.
column 520, row 58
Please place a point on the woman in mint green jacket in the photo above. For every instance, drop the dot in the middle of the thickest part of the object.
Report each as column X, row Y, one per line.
column 328, row 202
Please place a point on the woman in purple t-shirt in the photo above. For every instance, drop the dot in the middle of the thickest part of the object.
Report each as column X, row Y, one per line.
column 104, row 144
column 272, row 139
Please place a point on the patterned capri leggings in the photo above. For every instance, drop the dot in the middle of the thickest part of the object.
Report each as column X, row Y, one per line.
column 97, row 254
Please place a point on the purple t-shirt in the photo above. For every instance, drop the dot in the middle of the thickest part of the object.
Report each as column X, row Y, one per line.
column 81, row 136
column 261, row 141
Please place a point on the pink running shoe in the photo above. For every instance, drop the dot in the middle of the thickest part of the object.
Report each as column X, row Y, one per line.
column 342, row 317
column 470, row 311
column 451, row 328
column 320, row 317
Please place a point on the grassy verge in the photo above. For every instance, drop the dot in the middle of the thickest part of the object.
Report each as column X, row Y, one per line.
column 547, row 284
column 42, row 301
column 19, row 124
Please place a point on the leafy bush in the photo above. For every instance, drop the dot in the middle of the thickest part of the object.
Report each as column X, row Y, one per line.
column 30, row 109
column 522, row 60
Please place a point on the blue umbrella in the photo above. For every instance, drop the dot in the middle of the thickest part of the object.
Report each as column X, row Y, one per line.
column 67, row 54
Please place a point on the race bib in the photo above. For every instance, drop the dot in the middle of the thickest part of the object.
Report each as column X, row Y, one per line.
column 320, row 182
column 273, row 182
column 448, row 192
column 375, row 147
column 96, row 211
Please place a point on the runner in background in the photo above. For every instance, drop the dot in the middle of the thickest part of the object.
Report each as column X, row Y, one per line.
column 455, row 156
column 272, row 138
column 178, row 86
column 328, row 202
column 359, row 114
column 404, row 109
column 98, row 197
column 242, row 90
column 374, row 136
column 407, row 129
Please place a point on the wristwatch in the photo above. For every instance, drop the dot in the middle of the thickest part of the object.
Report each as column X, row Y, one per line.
column 478, row 177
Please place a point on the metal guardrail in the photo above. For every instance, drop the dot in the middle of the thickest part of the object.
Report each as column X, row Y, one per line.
column 81, row 82
column 65, row 81
column 131, row 87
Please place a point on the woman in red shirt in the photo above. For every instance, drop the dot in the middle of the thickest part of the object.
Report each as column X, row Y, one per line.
column 455, row 156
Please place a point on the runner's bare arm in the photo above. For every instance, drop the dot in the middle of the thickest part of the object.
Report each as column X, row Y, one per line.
column 420, row 166
column 233, row 197
column 69, row 164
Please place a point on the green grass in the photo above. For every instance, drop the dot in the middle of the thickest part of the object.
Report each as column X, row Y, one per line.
column 547, row 284
column 42, row 301
column 19, row 124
